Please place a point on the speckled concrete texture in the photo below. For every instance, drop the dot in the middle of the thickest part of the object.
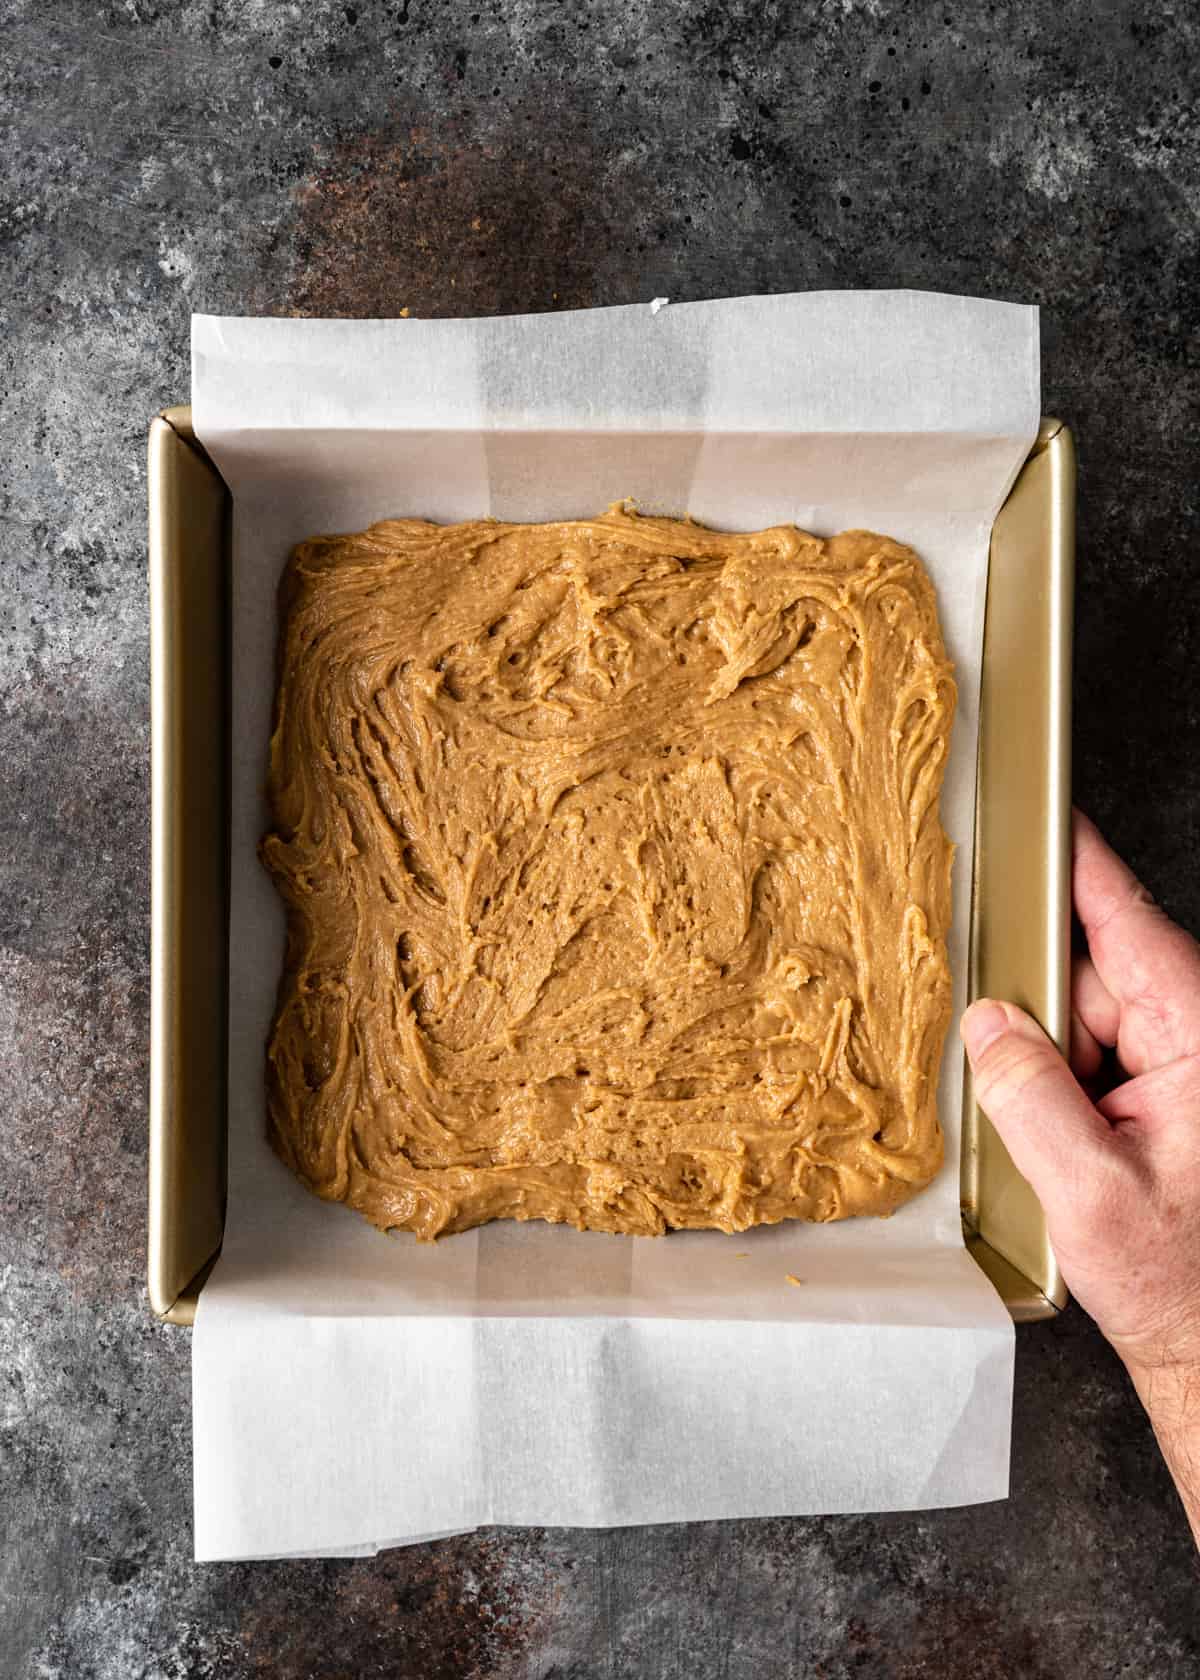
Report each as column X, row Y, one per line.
column 358, row 159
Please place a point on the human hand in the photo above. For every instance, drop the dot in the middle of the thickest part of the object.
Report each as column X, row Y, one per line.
column 1118, row 1177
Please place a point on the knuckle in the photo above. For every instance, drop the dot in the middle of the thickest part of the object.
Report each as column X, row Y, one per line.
column 1140, row 895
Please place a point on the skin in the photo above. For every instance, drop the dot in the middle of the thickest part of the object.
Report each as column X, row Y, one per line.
column 1117, row 1171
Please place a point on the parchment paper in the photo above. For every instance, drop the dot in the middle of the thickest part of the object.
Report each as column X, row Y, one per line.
column 354, row 1391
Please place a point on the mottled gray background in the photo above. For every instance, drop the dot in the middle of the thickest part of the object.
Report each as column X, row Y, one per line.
column 249, row 155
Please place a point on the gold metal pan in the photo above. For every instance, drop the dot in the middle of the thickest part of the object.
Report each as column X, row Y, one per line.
column 1021, row 887
column 189, row 870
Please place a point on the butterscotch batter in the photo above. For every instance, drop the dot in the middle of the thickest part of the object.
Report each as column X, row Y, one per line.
column 616, row 887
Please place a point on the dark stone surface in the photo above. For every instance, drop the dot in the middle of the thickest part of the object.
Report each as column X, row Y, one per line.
column 526, row 155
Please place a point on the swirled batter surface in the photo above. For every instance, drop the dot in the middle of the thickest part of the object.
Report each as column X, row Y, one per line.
column 616, row 886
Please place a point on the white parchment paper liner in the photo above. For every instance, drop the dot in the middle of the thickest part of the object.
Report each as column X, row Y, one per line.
column 353, row 1391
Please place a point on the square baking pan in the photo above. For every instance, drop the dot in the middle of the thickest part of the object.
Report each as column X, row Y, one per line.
column 1020, row 901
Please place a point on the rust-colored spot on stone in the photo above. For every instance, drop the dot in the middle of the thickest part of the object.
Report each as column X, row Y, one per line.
column 447, row 226
column 454, row 1610
column 950, row 1635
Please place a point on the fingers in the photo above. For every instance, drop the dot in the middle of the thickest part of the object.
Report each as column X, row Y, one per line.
column 1028, row 1092
column 1095, row 1019
column 1141, row 958
column 1087, row 1053
column 1094, row 1004
column 1163, row 1102
column 1103, row 885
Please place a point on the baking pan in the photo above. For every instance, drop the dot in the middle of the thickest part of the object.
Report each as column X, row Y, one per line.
column 1021, row 884
column 189, row 867
column 1020, row 909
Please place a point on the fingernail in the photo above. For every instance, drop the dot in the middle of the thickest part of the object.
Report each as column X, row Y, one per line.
column 982, row 1025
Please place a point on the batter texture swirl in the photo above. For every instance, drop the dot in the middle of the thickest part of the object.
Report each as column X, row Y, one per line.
column 616, row 887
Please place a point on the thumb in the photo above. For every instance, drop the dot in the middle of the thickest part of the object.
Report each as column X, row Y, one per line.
column 1031, row 1096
